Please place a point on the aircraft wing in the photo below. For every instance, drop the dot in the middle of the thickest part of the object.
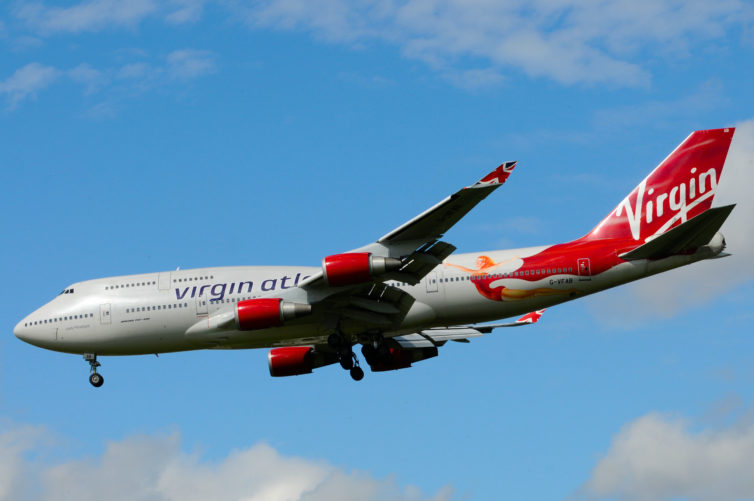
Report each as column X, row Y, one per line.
column 352, row 292
column 434, row 222
column 438, row 336
column 417, row 242
column 399, row 352
column 405, row 254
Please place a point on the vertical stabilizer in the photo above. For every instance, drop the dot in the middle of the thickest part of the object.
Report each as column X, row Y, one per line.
column 681, row 187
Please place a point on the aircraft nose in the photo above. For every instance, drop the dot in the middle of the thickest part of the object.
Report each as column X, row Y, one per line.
column 20, row 330
column 36, row 335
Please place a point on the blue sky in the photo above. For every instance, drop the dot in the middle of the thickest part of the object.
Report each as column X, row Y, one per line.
column 141, row 136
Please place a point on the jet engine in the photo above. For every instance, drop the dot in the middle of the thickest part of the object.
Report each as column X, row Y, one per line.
column 396, row 358
column 296, row 360
column 262, row 313
column 356, row 267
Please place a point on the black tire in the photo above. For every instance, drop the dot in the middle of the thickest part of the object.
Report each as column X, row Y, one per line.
column 357, row 373
column 370, row 354
column 96, row 379
column 346, row 362
column 334, row 341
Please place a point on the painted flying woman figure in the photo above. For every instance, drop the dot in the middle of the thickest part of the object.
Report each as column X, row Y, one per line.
column 490, row 284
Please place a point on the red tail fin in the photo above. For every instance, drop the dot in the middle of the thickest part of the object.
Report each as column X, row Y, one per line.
column 681, row 187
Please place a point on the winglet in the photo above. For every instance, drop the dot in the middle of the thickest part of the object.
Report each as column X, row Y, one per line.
column 497, row 176
column 530, row 318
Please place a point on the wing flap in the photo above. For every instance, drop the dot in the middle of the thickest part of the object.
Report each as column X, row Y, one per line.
column 420, row 262
column 414, row 341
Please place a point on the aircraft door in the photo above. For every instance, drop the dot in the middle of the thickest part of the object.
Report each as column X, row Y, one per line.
column 584, row 268
column 432, row 279
column 163, row 281
column 104, row 314
column 201, row 305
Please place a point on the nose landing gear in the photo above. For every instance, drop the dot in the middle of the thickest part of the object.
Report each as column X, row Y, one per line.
column 95, row 378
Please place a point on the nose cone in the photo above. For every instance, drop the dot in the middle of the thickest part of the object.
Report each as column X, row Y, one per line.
column 37, row 335
column 21, row 331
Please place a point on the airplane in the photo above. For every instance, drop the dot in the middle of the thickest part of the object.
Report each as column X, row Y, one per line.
column 402, row 296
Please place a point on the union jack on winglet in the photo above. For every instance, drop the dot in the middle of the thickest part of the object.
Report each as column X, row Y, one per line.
column 497, row 176
column 530, row 318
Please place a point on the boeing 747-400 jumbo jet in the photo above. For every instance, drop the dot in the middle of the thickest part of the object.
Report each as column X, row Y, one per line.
column 401, row 297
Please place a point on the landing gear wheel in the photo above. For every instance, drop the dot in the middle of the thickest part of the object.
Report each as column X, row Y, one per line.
column 346, row 362
column 370, row 353
column 335, row 340
column 357, row 373
column 96, row 379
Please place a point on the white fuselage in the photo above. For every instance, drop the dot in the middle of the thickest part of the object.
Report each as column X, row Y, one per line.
column 151, row 313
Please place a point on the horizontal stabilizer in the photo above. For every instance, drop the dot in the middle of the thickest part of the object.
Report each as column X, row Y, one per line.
column 688, row 236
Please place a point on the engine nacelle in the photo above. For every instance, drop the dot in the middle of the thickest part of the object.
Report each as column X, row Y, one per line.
column 262, row 313
column 296, row 360
column 356, row 267
column 397, row 358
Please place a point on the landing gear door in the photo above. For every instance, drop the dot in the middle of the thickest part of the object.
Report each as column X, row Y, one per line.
column 104, row 314
column 585, row 268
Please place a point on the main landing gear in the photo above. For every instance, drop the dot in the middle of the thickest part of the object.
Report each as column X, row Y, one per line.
column 95, row 378
column 346, row 356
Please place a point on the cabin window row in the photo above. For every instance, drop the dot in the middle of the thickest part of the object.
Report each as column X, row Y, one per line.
column 58, row 319
column 231, row 299
column 512, row 274
column 541, row 271
column 192, row 279
column 156, row 307
column 123, row 286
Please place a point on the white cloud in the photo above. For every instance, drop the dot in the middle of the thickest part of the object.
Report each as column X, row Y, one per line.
column 474, row 79
column 186, row 11
column 92, row 79
column 176, row 68
column 472, row 44
column 709, row 96
column 369, row 82
column 659, row 458
column 665, row 294
column 598, row 41
column 134, row 71
column 27, row 81
column 154, row 468
column 189, row 63
column 94, row 15
column 98, row 15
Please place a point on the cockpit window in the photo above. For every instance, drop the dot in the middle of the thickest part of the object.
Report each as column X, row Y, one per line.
column 67, row 291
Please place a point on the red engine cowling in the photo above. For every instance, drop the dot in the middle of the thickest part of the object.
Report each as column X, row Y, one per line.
column 400, row 358
column 296, row 360
column 356, row 267
column 262, row 313
column 290, row 361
